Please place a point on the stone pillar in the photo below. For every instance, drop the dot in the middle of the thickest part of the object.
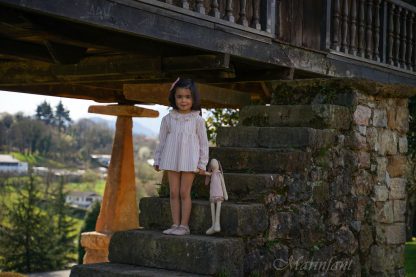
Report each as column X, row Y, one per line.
column 119, row 206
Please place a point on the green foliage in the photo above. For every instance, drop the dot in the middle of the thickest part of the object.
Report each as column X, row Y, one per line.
column 88, row 226
column 62, row 118
column 220, row 118
column 410, row 258
column 44, row 113
column 35, row 235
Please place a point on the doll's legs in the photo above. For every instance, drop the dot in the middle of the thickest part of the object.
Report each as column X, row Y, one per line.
column 215, row 215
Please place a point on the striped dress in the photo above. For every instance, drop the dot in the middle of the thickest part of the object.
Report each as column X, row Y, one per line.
column 183, row 142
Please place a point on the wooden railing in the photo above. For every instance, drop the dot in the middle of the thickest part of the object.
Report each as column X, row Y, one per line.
column 376, row 30
column 252, row 14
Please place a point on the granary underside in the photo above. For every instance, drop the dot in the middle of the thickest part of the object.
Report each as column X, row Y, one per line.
column 93, row 49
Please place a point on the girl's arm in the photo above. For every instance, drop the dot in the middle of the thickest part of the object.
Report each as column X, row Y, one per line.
column 162, row 138
column 203, row 144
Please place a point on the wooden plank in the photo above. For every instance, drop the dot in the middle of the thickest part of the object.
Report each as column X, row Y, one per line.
column 199, row 62
column 135, row 21
column 286, row 20
column 211, row 96
column 311, row 27
column 123, row 110
column 297, row 22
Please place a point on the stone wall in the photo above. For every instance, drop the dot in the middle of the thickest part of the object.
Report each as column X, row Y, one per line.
column 340, row 211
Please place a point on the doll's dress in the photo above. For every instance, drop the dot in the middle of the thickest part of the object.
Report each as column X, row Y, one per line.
column 216, row 193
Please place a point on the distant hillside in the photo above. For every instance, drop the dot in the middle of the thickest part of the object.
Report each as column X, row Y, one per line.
column 138, row 129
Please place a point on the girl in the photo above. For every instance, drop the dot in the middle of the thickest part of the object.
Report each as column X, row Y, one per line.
column 182, row 150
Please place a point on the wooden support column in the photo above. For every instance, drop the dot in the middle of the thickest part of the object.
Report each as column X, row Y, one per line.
column 119, row 206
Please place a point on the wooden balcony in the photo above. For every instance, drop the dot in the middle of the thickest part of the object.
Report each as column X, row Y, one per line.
column 91, row 48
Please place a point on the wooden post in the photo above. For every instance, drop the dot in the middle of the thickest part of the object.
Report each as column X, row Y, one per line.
column 119, row 206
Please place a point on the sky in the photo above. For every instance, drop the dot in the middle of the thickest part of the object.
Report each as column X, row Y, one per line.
column 13, row 102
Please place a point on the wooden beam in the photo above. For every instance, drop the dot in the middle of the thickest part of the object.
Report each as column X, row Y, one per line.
column 211, row 96
column 197, row 62
column 24, row 50
column 65, row 54
column 123, row 110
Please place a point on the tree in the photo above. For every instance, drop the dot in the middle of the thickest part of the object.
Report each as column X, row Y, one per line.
column 30, row 241
column 44, row 113
column 62, row 118
column 220, row 118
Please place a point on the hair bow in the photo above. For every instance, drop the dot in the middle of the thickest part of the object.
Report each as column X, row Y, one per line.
column 174, row 83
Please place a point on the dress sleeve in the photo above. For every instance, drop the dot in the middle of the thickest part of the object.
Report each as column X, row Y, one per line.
column 203, row 144
column 163, row 132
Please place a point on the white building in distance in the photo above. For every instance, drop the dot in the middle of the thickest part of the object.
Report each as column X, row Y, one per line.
column 83, row 200
column 8, row 164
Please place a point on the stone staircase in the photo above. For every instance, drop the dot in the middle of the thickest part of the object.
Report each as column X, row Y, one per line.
column 270, row 144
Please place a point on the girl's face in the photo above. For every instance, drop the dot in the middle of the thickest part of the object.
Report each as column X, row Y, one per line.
column 183, row 99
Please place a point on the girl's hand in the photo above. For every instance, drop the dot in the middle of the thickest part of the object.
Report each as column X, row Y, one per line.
column 201, row 172
column 156, row 167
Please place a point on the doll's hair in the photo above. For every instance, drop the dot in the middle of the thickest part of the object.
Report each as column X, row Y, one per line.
column 189, row 84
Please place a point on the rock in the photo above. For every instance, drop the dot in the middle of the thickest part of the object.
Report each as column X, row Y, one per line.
column 283, row 225
column 345, row 241
column 381, row 169
column 399, row 210
column 397, row 188
column 380, row 118
column 391, row 234
column 377, row 256
column 381, row 193
column 403, row 147
column 365, row 238
column 402, row 120
column 362, row 115
column 384, row 212
column 196, row 254
column 372, row 139
column 396, row 166
column 388, row 142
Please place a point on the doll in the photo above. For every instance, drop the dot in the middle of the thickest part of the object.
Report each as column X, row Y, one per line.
column 217, row 194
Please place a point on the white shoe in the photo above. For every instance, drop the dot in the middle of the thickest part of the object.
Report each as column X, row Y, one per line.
column 170, row 230
column 210, row 231
column 217, row 228
column 181, row 230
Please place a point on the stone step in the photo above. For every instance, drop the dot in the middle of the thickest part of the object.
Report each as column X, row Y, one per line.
column 261, row 160
column 121, row 270
column 237, row 219
column 191, row 253
column 274, row 137
column 243, row 187
column 316, row 116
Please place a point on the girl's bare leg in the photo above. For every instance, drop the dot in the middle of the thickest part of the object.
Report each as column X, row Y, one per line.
column 174, row 185
column 186, row 184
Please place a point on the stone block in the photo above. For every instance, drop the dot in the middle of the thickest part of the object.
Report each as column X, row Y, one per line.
column 357, row 141
column 378, row 258
column 283, row 225
column 260, row 160
column 274, row 137
column 399, row 210
column 381, row 169
column 381, row 193
column 403, row 146
column 195, row 254
column 242, row 186
column 372, row 139
column 380, row 118
column 396, row 233
column 402, row 120
column 315, row 116
column 388, row 142
column 384, row 212
column 396, row 166
column 120, row 270
column 397, row 188
column 362, row 115
column 345, row 241
column 365, row 238
column 245, row 219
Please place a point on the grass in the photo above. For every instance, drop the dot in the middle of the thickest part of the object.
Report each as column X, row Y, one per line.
column 410, row 258
column 97, row 186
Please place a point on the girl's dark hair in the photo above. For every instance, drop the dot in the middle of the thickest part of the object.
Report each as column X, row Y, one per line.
column 186, row 83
